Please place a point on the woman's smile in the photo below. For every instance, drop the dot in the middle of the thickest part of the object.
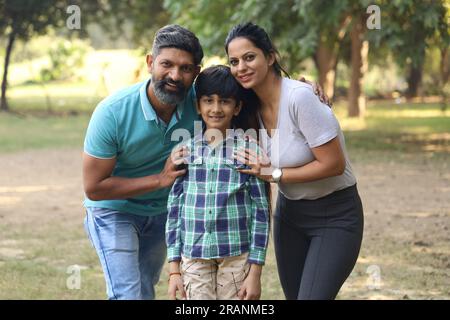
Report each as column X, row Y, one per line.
column 245, row 77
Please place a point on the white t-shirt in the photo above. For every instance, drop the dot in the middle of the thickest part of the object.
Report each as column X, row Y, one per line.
column 304, row 123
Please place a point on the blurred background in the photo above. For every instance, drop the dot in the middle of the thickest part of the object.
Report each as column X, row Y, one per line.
column 384, row 63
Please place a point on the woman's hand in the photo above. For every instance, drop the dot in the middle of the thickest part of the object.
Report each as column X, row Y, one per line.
column 259, row 164
column 318, row 91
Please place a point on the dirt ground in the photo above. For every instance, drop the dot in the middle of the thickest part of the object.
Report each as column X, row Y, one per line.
column 406, row 246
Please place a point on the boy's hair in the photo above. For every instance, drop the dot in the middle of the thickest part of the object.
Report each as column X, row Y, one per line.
column 175, row 36
column 218, row 80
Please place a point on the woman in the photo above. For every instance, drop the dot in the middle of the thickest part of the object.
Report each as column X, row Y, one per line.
column 318, row 221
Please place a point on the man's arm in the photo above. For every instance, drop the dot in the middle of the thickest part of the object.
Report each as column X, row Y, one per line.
column 100, row 185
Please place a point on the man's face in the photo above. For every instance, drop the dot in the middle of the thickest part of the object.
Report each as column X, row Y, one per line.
column 173, row 72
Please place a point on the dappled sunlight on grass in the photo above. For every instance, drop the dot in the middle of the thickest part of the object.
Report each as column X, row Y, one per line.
column 415, row 127
column 353, row 124
column 409, row 113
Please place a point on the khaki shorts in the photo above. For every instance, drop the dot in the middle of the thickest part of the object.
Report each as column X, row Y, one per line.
column 214, row 279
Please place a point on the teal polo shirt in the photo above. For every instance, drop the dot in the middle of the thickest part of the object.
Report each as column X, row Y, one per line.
column 125, row 126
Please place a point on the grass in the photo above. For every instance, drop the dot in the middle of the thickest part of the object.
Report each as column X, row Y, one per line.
column 56, row 97
column 24, row 133
column 43, row 270
column 391, row 131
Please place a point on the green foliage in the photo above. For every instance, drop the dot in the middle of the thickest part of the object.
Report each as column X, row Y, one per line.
column 65, row 58
column 409, row 27
column 22, row 19
column 296, row 26
column 27, row 17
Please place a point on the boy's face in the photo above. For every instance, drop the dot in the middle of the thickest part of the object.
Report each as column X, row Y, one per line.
column 217, row 112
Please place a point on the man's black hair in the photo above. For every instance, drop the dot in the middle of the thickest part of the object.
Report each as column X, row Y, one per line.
column 175, row 36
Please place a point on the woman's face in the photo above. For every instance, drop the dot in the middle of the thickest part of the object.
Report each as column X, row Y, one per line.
column 248, row 63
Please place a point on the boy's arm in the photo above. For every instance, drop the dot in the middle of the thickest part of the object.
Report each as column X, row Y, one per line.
column 251, row 288
column 173, row 225
column 259, row 220
column 175, row 281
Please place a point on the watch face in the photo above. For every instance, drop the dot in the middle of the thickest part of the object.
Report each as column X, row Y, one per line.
column 276, row 174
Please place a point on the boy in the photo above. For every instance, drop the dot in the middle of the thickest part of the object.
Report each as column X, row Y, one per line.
column 218, row 218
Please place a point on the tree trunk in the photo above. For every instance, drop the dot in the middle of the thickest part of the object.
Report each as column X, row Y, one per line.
column 445, row 66
column 325, row 59
column 359, row 64
column 414, row 80
column 4, row 103
column 445, row 72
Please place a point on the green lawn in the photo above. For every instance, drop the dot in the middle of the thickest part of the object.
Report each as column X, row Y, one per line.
column 390, row 130
column 23, row 133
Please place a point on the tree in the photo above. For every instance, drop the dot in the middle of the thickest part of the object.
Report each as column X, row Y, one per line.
column 23, row 19
column 408, row 30
column 301, row 29
column 359, row 65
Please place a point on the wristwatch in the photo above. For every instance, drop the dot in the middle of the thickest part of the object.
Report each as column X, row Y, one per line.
column 276, row 174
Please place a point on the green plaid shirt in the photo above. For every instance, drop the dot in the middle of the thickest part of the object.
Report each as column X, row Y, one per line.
column 214, row 211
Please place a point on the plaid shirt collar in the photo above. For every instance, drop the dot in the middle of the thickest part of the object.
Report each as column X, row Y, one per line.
column 222, row 151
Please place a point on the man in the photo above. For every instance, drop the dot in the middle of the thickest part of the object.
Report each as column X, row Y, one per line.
column 127, row 171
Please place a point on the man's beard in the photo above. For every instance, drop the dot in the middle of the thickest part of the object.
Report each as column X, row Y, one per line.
column 169, row 97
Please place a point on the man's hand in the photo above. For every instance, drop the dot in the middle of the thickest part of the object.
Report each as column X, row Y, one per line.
column 171, row 169
column 318, row 91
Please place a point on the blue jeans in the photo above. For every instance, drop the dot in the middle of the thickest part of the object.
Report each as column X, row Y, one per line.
column 131, row 249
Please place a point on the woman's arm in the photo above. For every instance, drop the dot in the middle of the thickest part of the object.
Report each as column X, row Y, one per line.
column 329, row 162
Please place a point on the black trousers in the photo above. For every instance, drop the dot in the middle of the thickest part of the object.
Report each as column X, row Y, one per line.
column 317, row 243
